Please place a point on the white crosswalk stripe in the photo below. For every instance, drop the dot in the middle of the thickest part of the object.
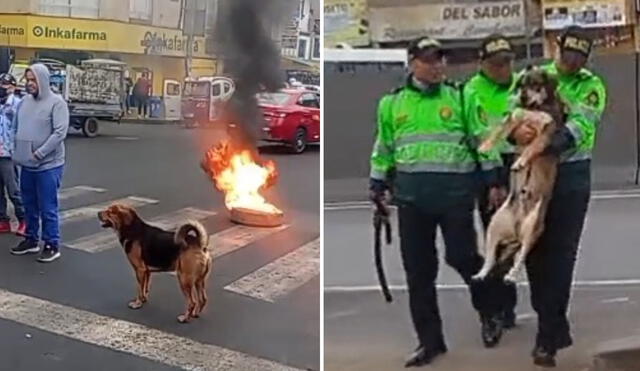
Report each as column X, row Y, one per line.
column 281, row 276
column 76, row 191
column 237, row 237
column 91, row 211
column 107, row 240
column 127, row 337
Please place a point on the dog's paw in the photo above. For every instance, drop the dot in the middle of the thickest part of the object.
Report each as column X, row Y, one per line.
column 510, row 278
column 485, row 147
column 183, row 318
column 135, row 304
column 479, row 277
column 518, row 165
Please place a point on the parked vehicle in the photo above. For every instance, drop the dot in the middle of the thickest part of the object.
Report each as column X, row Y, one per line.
column 94, row 91
column 292, row 117
column 201, row 98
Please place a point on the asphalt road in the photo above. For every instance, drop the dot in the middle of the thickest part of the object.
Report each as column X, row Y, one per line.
column 364, row 333
column 263, row 311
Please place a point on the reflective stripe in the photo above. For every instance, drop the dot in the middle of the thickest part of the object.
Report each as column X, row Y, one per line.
column 575, row 130
column 419, row 138
column 379, row 175
column 589, row 113
column 382, row 149
column 490, row 165
column 576, row 156
column 435, row 167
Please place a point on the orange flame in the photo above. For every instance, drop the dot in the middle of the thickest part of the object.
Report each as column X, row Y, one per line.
column 240, row 178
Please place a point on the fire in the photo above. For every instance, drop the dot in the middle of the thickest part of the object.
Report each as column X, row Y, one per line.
column 240, row 177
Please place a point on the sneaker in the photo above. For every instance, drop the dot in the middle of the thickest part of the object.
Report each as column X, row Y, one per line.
column 26, row 247
column 5, row 227
column 49, row 254
column 22, row 229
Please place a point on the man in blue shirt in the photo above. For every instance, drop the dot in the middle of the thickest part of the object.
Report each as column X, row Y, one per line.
column 8, row 171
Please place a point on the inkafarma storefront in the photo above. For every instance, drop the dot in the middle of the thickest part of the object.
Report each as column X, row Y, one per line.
column 158, row 51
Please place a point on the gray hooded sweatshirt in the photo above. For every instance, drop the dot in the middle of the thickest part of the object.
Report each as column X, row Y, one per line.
column 42, row 124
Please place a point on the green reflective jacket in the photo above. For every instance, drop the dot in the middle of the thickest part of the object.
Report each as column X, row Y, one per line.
column 586, row 95
column 487, row 104
column 420, row 132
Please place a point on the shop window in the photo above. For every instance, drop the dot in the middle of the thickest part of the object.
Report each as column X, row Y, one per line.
column 302, row 48
column 140, row 9
column 71, row 8
column 316, row 48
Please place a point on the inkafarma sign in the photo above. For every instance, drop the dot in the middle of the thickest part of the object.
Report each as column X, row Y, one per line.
column 160, row 43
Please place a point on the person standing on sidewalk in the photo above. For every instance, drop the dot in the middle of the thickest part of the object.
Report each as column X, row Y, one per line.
column 422, row 143
column 8, row 171
column 488, row 97
column 41, row 125
column 141, row 93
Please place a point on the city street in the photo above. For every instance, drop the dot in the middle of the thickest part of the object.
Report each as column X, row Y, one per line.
column 362, row 332
column 263, row 311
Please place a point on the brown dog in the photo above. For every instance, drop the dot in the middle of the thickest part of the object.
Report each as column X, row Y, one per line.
column 519, row 222
column 151, row 249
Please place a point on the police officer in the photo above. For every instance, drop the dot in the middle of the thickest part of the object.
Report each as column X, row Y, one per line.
column 488, row 97
column 550, row 264
column 420, row 138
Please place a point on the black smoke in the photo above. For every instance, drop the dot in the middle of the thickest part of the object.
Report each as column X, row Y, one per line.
column 244, row 40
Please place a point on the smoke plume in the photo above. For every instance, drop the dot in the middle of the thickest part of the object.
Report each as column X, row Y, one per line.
column 251, row 57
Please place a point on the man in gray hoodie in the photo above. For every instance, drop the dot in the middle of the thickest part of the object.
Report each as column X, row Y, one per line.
column 41, row 125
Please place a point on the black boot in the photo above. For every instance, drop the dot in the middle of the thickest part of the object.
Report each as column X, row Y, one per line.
column 544, row 357
column 491, row 330
column 423, row 356
column 508, row 320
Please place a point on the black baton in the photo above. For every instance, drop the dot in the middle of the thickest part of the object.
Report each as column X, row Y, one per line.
column 380, row 217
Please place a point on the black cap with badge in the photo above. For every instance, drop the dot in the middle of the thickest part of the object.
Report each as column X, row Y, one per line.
column 424, row 46
column 576, row 39
column 496, row 44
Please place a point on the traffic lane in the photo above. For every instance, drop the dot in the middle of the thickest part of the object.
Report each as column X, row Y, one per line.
column 362, row 332
column 286, row 331
column 26, row 348
column 162, row 159
column 608, row 247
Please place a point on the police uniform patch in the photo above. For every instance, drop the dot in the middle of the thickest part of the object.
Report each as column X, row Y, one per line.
column 482, row 114
column 401, row 118
column 446, row 112
column 593, row 99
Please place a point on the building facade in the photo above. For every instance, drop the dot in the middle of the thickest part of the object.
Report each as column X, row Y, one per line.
column 145, row 34
column 300, row 37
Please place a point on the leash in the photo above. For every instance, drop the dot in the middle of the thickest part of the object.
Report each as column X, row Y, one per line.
column 380, row 219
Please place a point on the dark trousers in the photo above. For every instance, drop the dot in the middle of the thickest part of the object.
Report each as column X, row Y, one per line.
column 141, row 103
column 551, row 263
column 9, row 182
column 420, row 260
column 40, row 196
column 508, row 293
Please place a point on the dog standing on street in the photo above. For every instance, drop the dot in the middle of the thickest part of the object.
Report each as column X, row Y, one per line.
column 519, row 222
column 150, row 249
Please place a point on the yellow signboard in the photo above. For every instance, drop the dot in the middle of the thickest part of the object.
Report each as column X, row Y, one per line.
column 78, row 34
column 345, row 21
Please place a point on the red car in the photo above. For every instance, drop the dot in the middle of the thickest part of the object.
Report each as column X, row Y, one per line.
column 292, row 117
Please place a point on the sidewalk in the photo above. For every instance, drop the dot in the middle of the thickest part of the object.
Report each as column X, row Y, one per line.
column 362, row 332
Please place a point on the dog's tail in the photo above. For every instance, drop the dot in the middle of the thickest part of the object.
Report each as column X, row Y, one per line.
column 192, row 233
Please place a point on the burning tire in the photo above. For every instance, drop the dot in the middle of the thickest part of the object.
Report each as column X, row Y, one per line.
column 256, row 218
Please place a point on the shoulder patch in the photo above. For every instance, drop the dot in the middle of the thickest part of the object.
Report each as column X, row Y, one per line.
column 593, row 98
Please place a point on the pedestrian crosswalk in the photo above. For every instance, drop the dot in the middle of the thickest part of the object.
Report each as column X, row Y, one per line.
column 268, row 283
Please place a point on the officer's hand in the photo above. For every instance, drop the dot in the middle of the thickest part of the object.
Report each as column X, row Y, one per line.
column 497, row 196
column 523, row 134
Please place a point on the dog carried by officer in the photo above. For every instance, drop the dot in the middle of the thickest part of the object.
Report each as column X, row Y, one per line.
column 519, row 222
column 150, row 249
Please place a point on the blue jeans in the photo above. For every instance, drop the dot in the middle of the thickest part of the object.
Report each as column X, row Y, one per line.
column 40, row 197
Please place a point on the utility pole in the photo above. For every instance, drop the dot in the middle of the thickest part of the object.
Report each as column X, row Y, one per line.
column 188, row 15
column 527, row 29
